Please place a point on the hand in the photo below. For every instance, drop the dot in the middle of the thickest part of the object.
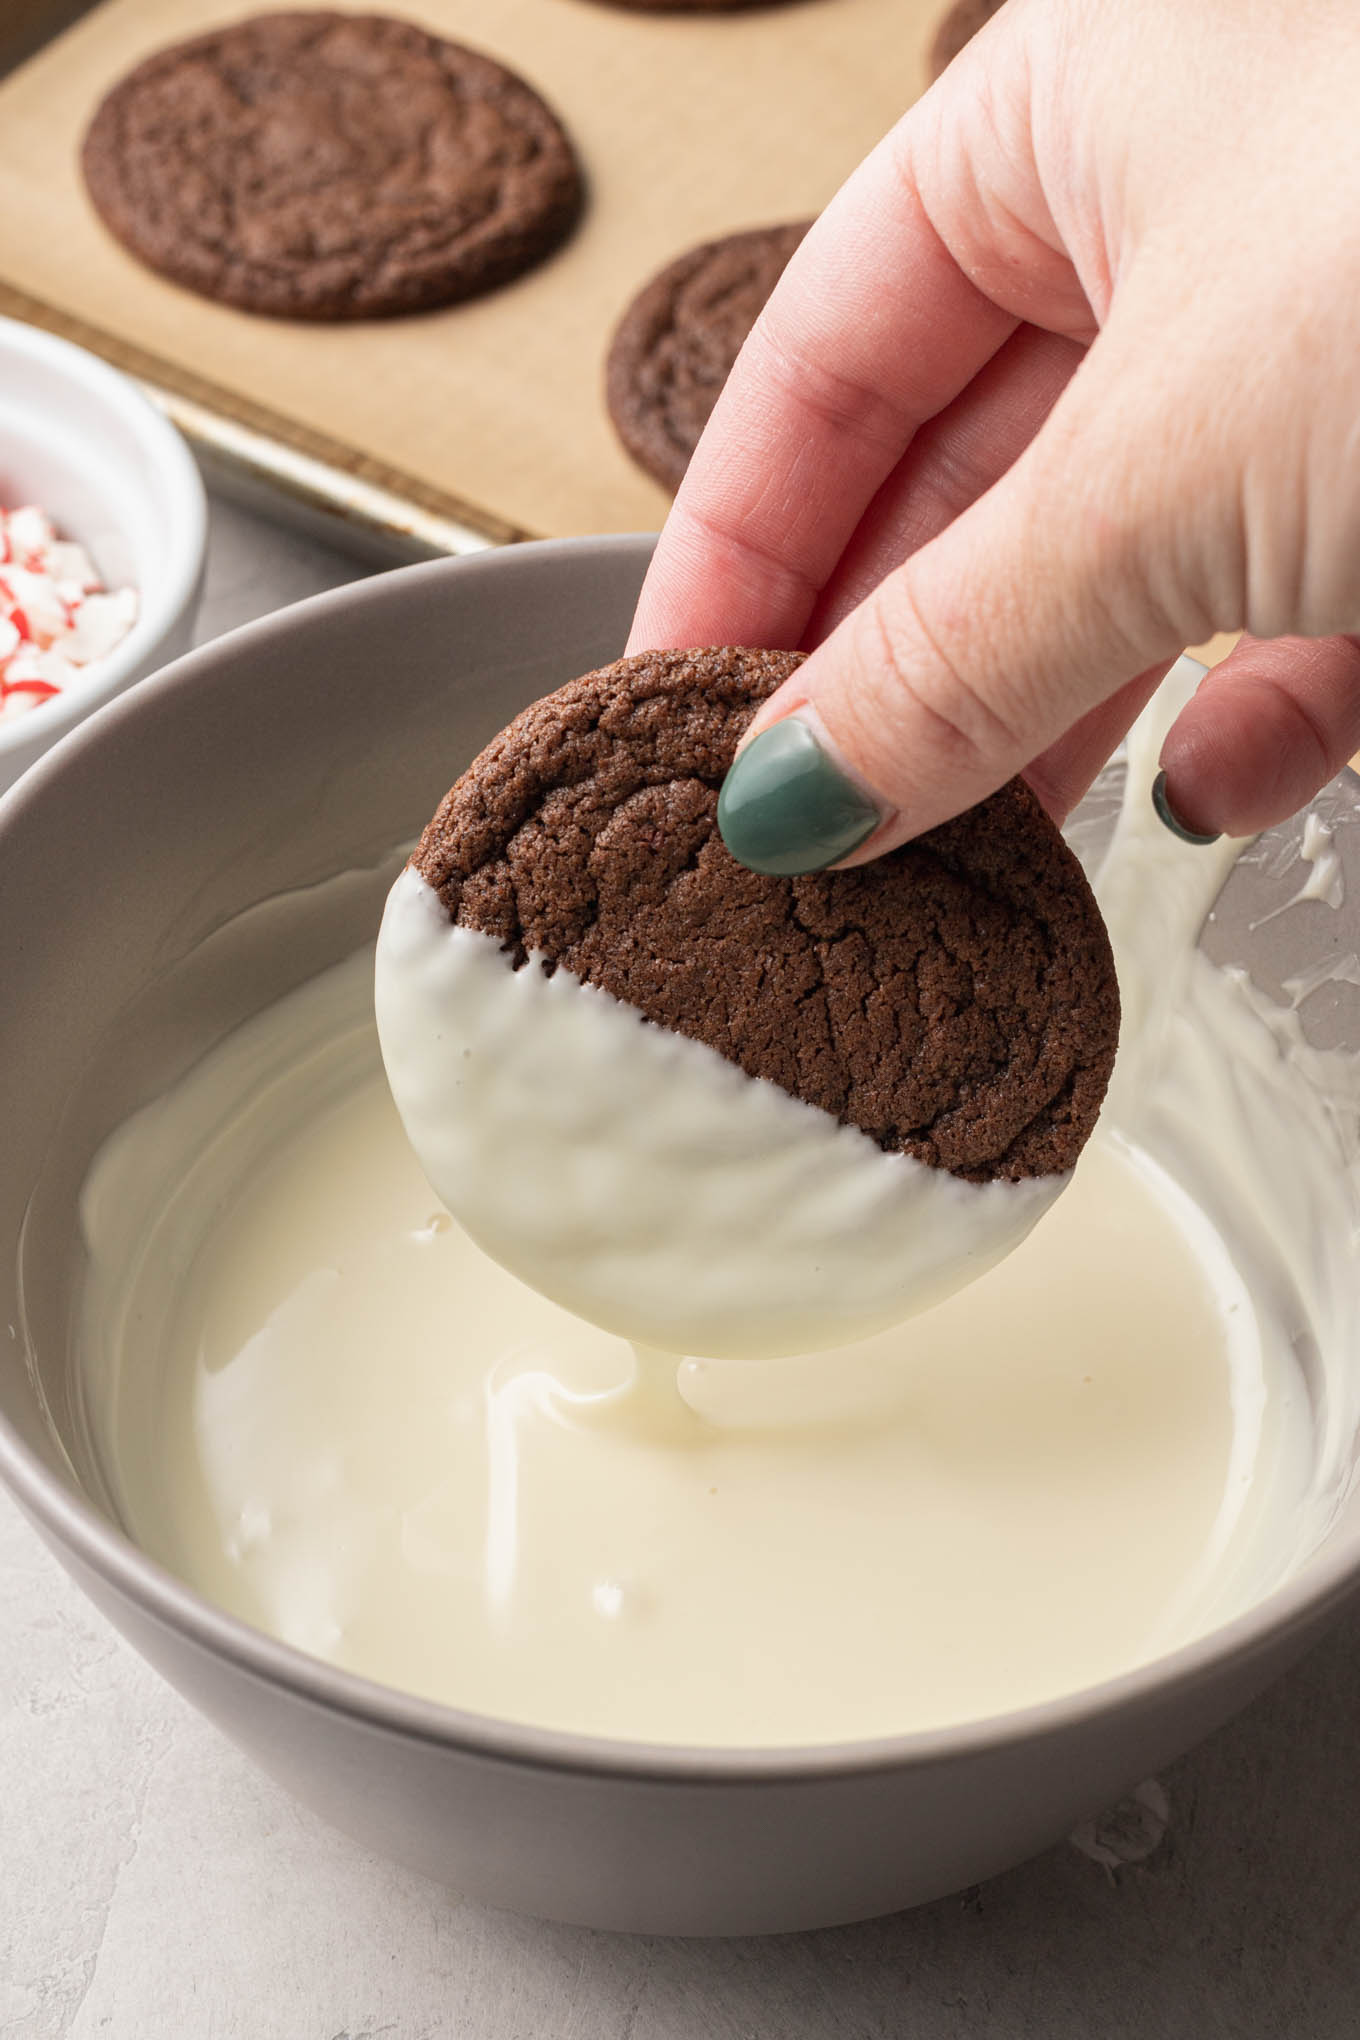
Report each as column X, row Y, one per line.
column 1066, row 377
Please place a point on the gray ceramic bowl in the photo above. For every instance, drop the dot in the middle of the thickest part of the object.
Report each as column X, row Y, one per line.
column 303, row 746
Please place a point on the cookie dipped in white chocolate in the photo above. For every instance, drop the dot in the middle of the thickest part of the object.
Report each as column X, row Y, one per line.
column 646, row 1183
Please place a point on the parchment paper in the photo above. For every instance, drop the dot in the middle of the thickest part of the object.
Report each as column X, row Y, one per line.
column 687, row 127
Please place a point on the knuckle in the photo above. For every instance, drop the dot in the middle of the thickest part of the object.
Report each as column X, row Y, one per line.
column 797, row 375
column 1305, row 734
column 926, row 693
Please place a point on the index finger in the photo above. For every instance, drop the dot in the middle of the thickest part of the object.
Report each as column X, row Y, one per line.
column 871, row 330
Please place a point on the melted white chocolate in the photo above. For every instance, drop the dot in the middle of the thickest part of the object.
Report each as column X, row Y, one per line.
column 321, row 1403
column 340, row 1419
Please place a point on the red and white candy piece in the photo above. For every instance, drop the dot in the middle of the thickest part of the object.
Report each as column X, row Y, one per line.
column 56, row 618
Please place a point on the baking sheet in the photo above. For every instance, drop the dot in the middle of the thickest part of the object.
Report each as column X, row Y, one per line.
column 486, row 419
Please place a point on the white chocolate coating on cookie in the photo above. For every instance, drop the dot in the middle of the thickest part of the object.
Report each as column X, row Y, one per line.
column 644, row 1182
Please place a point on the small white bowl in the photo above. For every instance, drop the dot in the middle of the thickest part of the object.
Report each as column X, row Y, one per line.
column 82, row 442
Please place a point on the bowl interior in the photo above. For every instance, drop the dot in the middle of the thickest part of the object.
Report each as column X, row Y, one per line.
column 253, row 771
column 62, row 450
column 215, row 839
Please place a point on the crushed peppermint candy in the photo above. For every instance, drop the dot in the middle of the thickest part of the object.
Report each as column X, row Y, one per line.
column 56, row 616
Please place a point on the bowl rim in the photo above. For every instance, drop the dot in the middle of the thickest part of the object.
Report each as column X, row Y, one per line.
column 66, row 1515
column 174, row 477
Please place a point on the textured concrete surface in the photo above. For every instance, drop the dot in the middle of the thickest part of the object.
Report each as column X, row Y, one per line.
column 153, row 1884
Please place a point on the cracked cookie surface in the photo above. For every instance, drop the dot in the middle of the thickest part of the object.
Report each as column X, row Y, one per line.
column 330, row 166
column 956, row 999
column 674, row 347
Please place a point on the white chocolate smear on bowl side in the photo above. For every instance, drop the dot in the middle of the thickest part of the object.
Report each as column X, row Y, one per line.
column 646, row 1183
column 317, row 1400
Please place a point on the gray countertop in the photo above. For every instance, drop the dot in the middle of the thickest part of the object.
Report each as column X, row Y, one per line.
column 153, row 1883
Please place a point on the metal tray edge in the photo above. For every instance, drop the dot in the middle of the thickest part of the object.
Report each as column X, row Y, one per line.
column 242, row 440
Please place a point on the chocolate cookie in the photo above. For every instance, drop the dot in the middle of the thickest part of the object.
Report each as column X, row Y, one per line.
column 956, row 28
column 677, row 341
column 330, row 166
column 956, row 999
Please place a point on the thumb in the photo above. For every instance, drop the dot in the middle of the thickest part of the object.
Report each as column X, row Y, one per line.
column 1045, row 597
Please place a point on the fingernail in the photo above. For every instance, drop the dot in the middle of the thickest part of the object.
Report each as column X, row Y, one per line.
column 1167, row 815
column 787, row 807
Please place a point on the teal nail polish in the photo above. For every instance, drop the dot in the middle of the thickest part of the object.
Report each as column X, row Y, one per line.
column 785, row 807
column 1169, row 819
